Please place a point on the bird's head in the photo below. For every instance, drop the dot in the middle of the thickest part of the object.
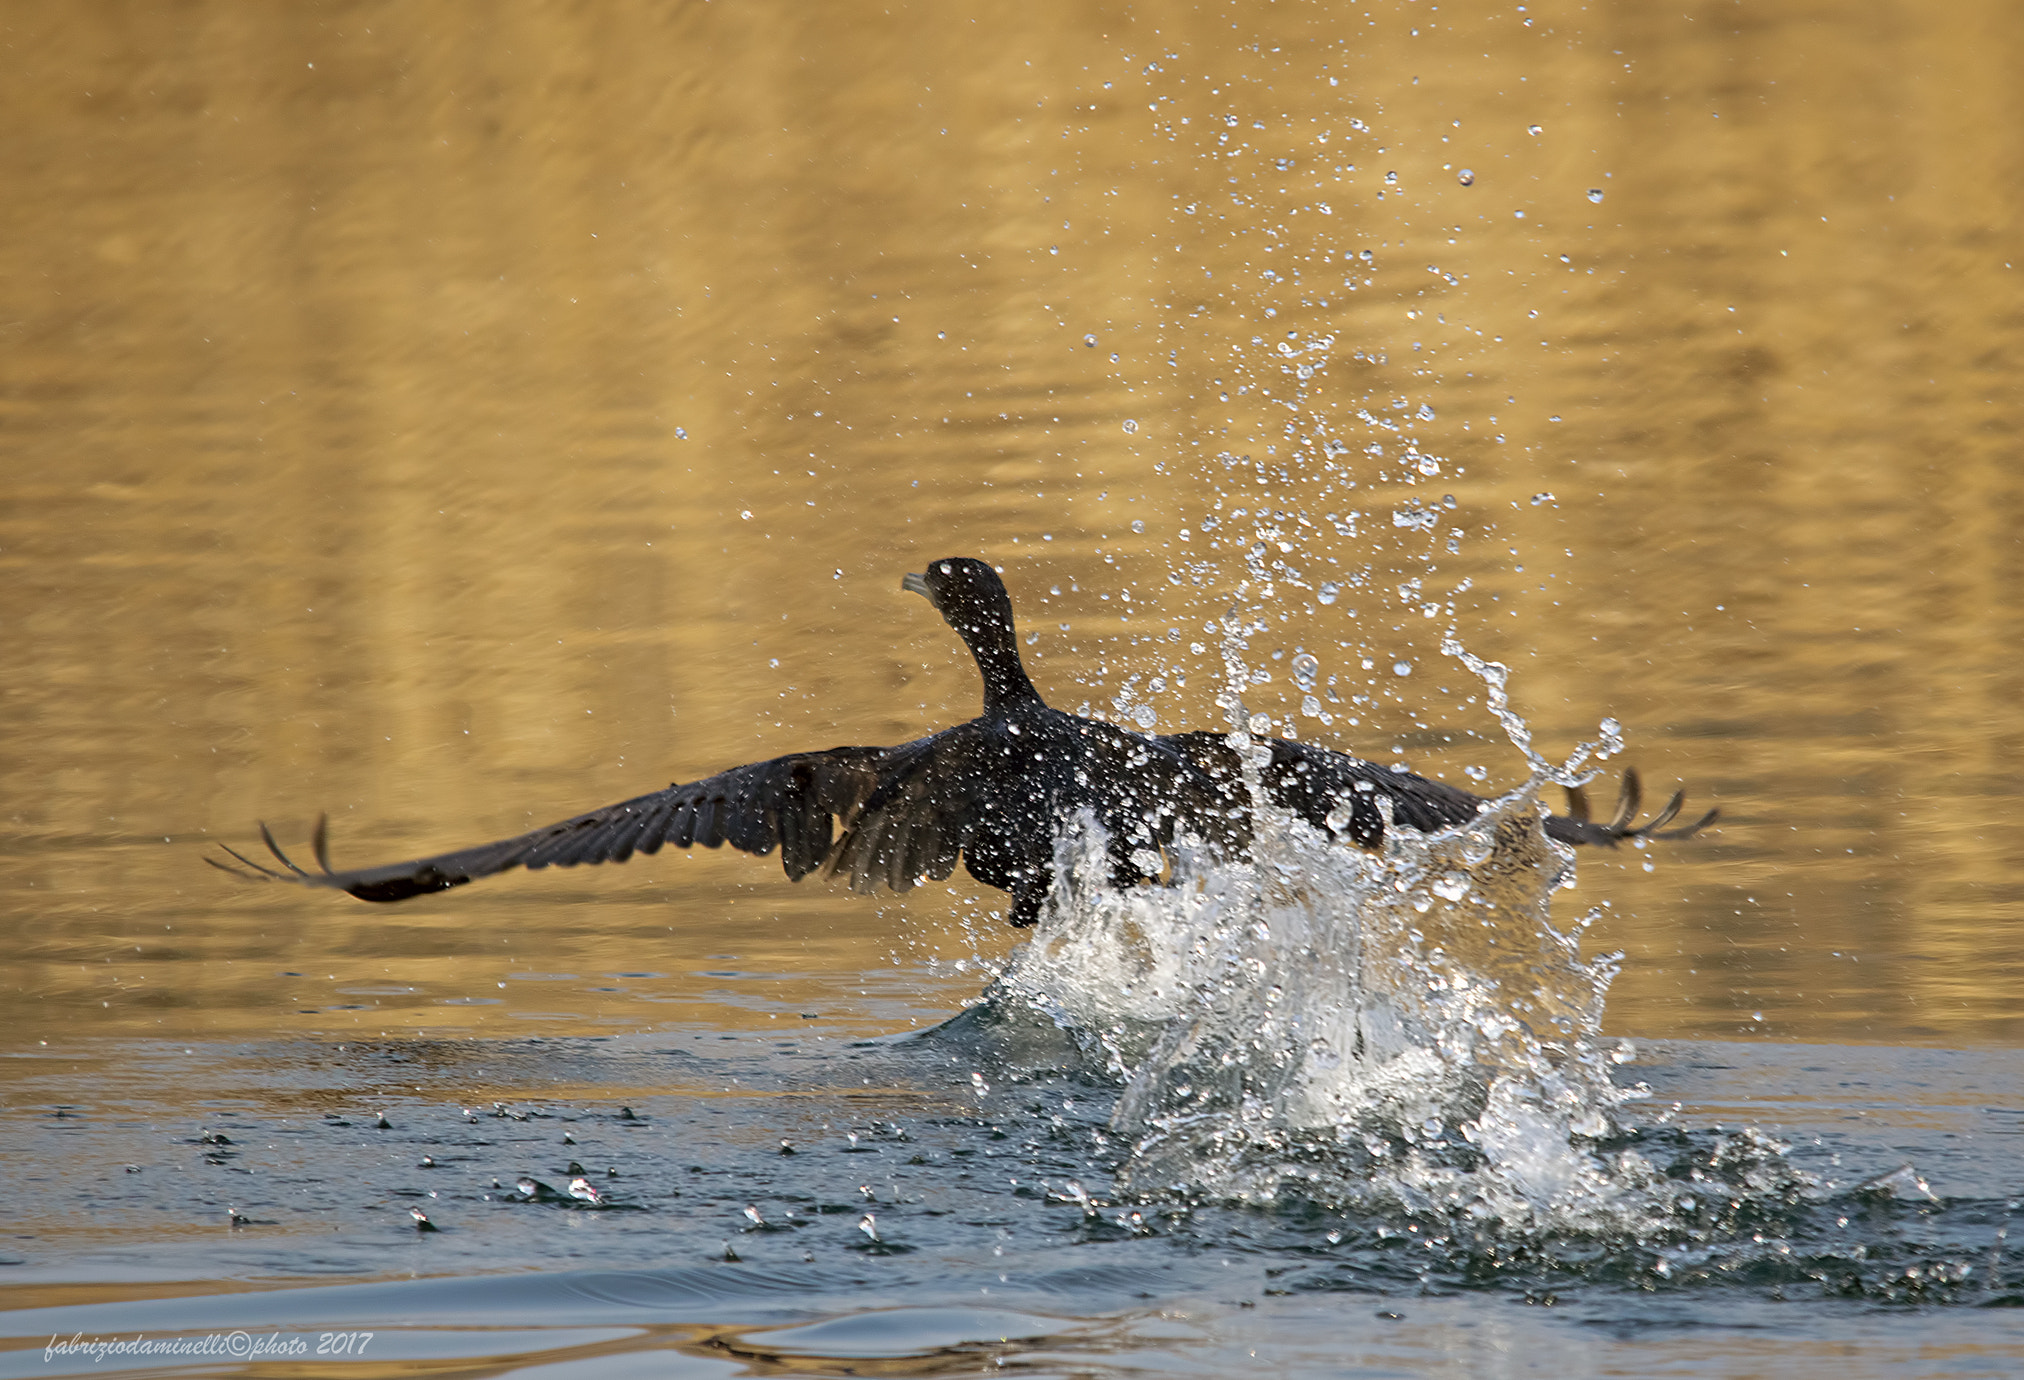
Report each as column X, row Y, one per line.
column 965, row 591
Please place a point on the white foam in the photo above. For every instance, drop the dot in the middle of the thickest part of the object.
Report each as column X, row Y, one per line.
column 1317, row 998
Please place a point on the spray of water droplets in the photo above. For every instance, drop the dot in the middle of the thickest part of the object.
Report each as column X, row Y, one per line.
column 1405, row 1031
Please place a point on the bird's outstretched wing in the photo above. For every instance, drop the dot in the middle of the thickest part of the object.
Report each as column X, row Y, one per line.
column 787, row 802
column 1337, row 793
column 1576, row 827
column 913, row 824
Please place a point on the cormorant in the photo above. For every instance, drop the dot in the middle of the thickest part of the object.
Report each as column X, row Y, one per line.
column 995, row 791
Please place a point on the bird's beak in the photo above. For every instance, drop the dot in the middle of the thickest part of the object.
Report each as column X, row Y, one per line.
column 914, row 584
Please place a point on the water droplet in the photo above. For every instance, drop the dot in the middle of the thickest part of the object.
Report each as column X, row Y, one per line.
column 1429, row 466
column 746, row 514
column 1138, row 525
column 1130, row 426
column 1402, row 668
column 681, row 433
column 1261, row 723
column 1466, row 176
column 1595, row 194
column 1534, row 130
column 1090, row 341
column 1305, row 668
column 1477, row 846
column 1452, row 886
column 1391, row 177
column 1328, row 594
column 1144, row 716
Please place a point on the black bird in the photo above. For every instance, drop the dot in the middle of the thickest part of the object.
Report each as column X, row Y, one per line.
column 995, row 792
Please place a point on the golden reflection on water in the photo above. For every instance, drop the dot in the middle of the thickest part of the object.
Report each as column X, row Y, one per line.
column 454, row 422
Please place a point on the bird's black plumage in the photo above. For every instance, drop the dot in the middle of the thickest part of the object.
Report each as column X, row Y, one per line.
column 995, row 793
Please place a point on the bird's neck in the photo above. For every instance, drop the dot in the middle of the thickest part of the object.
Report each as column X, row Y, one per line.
column 997, row 651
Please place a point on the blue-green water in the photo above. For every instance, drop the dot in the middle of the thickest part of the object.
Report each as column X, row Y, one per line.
column 999, row 1242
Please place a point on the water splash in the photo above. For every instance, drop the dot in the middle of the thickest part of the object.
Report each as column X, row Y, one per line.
column 1348, row 1025
column 1496, row 678
column 1408, row 1031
